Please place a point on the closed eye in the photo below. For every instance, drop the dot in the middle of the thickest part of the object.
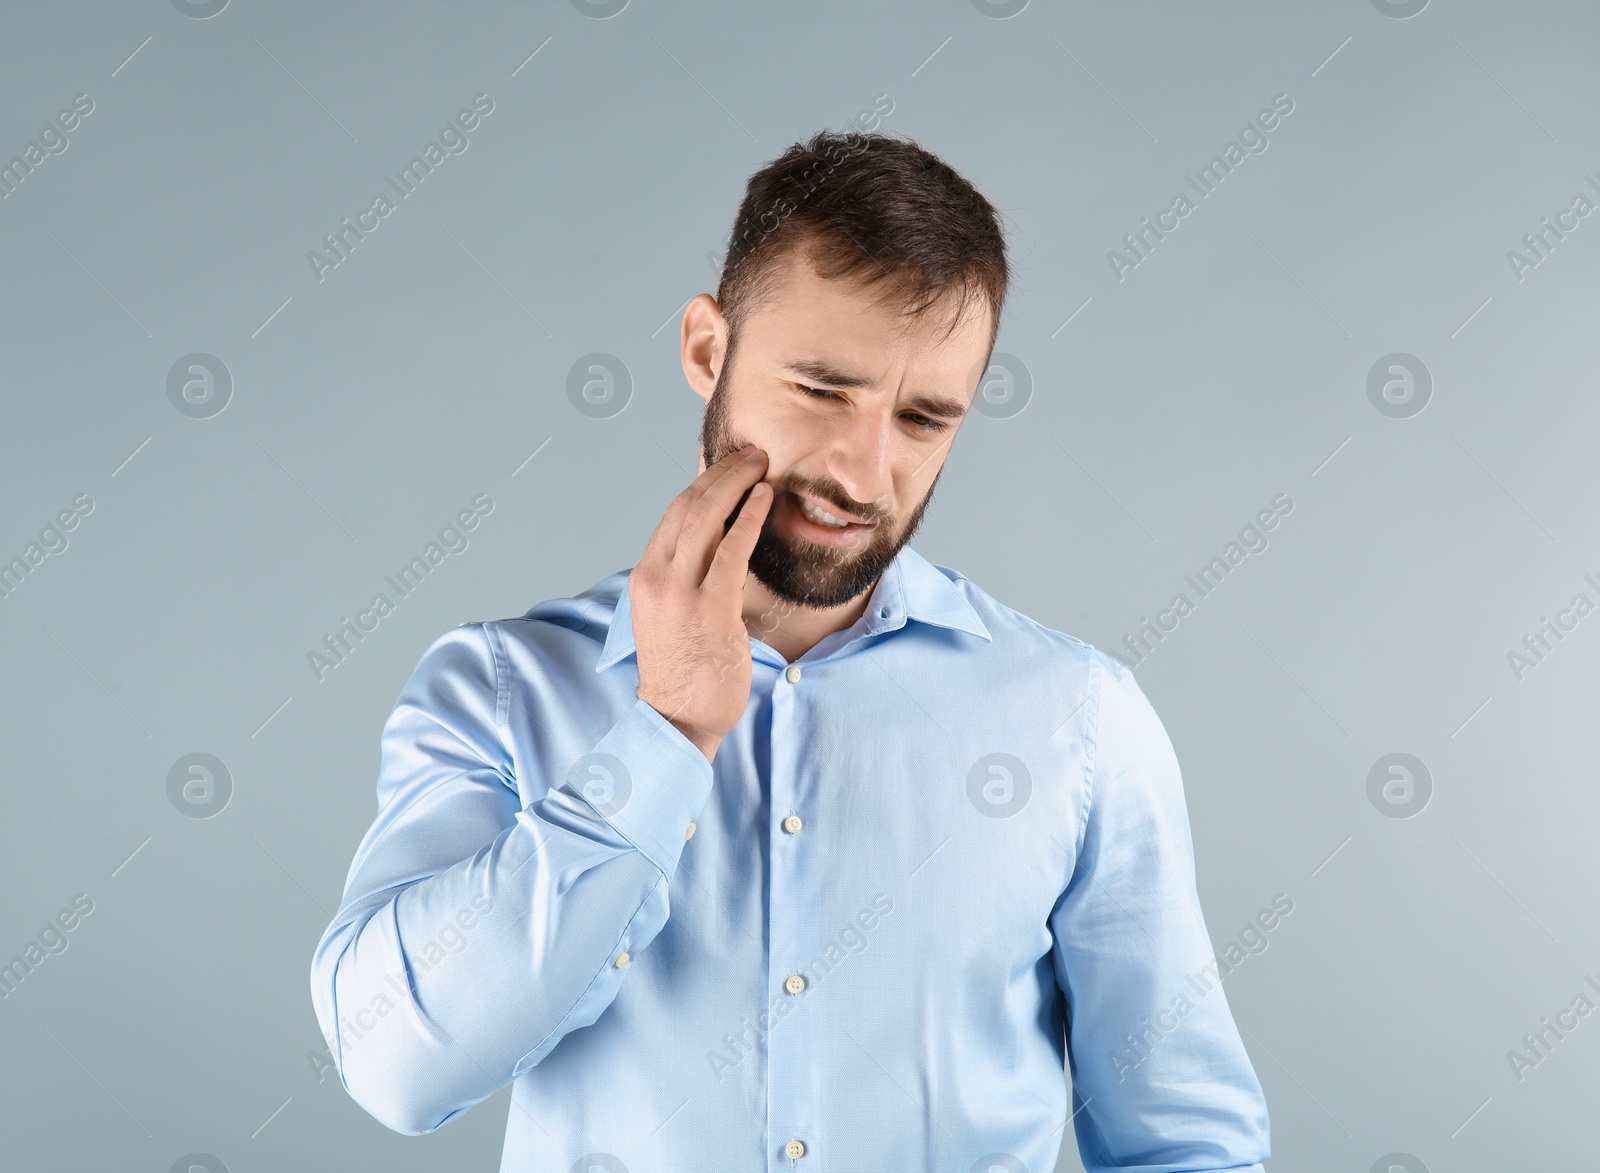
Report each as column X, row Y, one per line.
column 918, row 420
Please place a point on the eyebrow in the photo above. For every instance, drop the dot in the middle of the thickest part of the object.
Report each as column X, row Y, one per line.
column 830, row 377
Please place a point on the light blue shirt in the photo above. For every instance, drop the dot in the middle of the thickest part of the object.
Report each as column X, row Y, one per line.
column 943, row 853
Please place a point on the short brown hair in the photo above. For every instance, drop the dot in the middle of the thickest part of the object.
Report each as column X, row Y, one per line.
column 876, row 208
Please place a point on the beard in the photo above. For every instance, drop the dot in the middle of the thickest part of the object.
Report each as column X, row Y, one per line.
column 802, row 573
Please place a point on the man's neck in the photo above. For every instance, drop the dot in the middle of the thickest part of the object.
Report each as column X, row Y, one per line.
column 792, row 630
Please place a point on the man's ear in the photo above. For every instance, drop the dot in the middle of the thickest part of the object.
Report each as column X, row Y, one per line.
column 703, row 344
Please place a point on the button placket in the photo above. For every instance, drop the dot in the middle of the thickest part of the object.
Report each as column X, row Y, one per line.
column 791, row 1054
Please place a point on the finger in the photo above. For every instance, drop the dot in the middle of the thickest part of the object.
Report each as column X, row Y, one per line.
column 709, row 517
column 721, row 488
column 732, row 560
column 664, row 539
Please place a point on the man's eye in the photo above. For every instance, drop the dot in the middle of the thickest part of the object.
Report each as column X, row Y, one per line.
column 918, row 420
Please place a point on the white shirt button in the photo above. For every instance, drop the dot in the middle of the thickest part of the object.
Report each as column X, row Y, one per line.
column 794, row 1150
column 793, row 824
column 792, row 675
column 689, row 832
column 622, row 959
column 794, row 983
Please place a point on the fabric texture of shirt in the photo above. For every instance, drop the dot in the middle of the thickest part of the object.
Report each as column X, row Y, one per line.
column 944, row 855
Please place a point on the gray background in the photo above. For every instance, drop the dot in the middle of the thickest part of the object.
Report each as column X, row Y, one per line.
column 368, row 408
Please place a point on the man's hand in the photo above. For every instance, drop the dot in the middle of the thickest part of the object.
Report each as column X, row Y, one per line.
column 687, row 598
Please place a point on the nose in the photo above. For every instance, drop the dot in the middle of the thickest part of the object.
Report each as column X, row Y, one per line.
column 859, row 459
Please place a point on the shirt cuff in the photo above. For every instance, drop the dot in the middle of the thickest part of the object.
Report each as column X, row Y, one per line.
column 648, row 781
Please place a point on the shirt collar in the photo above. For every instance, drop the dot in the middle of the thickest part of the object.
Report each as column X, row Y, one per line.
column 910, row 588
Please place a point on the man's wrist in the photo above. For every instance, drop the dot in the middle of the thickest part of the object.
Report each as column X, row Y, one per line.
column 706, row 743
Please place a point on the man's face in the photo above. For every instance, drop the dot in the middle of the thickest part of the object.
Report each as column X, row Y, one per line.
column 856, row 405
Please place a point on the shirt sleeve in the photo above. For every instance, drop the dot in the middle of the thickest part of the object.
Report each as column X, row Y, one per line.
column 1161, row 1080
column 475, row 933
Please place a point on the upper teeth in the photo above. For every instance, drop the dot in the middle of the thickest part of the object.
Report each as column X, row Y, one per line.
column 821, row 516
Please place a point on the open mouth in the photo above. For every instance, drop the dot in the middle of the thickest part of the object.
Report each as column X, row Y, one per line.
column 816, row 523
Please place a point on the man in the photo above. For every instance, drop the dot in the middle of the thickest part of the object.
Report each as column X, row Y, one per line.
column 788, row 849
